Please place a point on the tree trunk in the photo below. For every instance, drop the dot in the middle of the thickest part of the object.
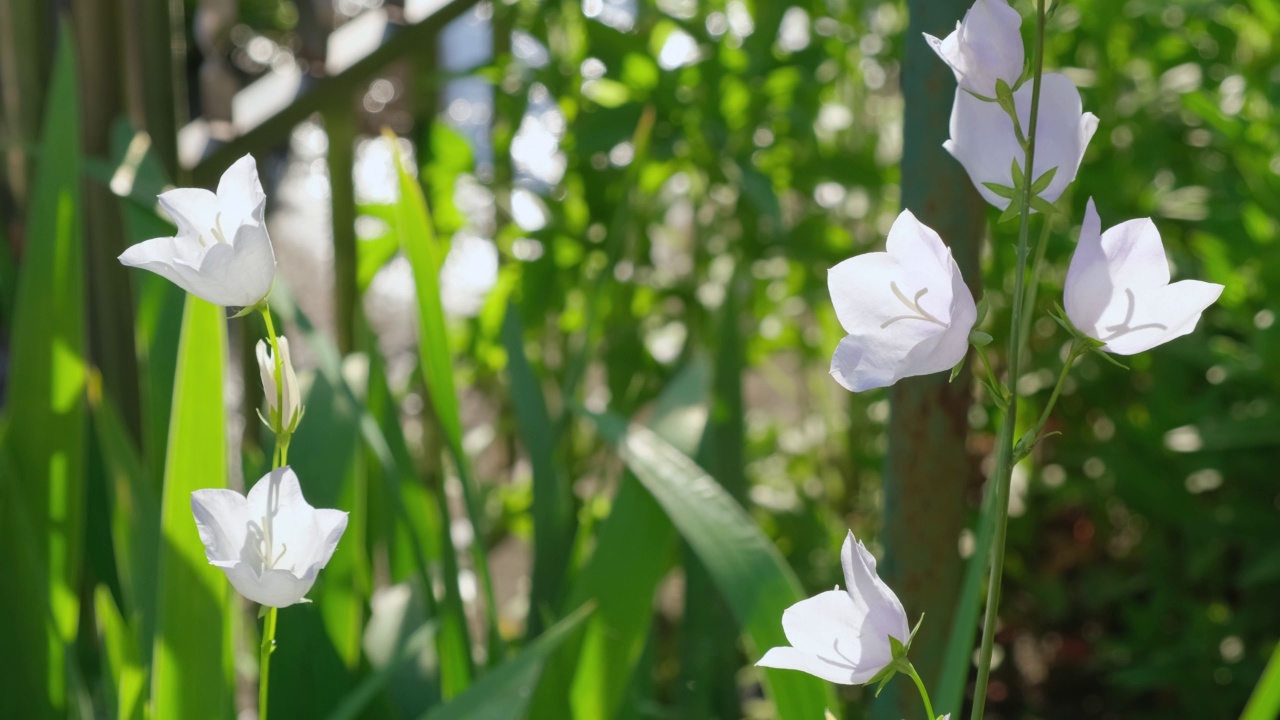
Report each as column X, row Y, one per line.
column 928, row 470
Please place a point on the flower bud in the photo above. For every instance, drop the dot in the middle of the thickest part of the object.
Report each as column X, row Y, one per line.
column 284, row 405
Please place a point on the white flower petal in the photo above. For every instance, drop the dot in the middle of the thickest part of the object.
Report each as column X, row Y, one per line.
column 985, row 47
column 162, row 256
column 828, row 625
column 885, row 616
column 240, row 194
column 275, row 588
column 787, row 658
column 984, row 141
column 907, row 311
column 1163, row 314
column 221, row 518
column 1117, row 288
column 235, row 275
column 194, row 210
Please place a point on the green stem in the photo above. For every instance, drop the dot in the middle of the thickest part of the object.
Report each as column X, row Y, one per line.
column 264, row 660
column 924, row 694
column 1033, row 283
column 1077, row 349
column 1004, row 447
column 991, row 373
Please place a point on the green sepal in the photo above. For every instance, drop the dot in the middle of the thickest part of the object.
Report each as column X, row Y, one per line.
column 243, row 311
column 959, row 366
column 1107, row 356
column 1043, row 181
column 1003, row 191
column 911, row 638
column 1016, row 172
column 996, row 394
column 1011, row 212
column 1044, row 206
column 896, row 648
column 1004, row 97
column 979, row 338
column 983, row 98
column 983, row 306
column 262, row 611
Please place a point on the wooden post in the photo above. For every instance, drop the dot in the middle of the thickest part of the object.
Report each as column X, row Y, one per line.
column 928, row 470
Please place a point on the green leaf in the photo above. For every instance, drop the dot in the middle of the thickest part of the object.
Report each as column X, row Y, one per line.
column 426, row 255
column 191, row 671
column 553, row 516
column 42, row 499
column 748, row 570
column 122, row 662
column 1264, row 702
column 1004, row 96
column 1003, row 191
column 503, row 693
column 958, row 658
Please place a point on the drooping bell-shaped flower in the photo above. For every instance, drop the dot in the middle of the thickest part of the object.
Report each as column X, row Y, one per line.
column 843, row 636
column 984, row 141
column 271, row 544
column 1118, row 290
column 985, row 47
column 221, row 253
column 284, row 402
column 907, row 310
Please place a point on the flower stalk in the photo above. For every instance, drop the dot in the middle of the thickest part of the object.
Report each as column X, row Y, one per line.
column 1004, row 446
column 924, row 694
column 264, row 659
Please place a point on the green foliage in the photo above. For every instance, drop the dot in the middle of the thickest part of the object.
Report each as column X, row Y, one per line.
column 191, row 667
column 42, row 488
column 701, row 204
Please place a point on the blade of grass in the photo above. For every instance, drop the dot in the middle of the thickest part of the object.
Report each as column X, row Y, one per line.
column 191, row 673
column 503, row 693
column 748, row 570
column 426, row 255
column 47, row 443
column 122, row 662
column 1264, row 703
column 589, row 678
column 553, row 518
column 958, row 659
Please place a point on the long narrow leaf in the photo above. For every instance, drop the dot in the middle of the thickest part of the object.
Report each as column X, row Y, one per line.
column 959, row 653
column 191, row 662
column 748, row 570
column 553, row 518
column 426, row 256
column 503, row 694
column 41, row 501
column 1264, row 703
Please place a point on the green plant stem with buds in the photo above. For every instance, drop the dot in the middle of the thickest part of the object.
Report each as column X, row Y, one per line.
column 280, row 458
column 1004, row 446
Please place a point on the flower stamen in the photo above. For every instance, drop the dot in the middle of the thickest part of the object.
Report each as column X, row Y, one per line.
column 913, row 304
column 1123, row 328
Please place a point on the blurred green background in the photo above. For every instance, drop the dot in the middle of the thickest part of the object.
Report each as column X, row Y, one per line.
column 639, row 200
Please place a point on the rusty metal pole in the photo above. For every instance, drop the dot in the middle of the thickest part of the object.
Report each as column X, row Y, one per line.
column 928, row 470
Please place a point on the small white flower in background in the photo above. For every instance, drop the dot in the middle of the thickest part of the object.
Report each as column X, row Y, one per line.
column 271, row 544
column 907, row 310
column 984, row 141
column 842, row 636
column 984, row 48
column 1118, row 291
column 284, row 405
column 221, row 253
